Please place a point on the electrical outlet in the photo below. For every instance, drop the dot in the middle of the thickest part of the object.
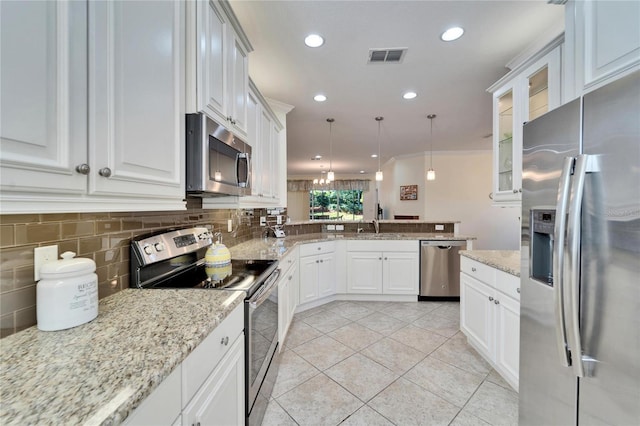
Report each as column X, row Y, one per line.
column 42, row 255
column 439, row 227
column 263, row 221
column 279, row 220
column 229, row 225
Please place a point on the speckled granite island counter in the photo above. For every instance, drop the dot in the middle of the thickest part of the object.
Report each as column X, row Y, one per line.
column 275, row 248
column 504, row 260
column 99, row 372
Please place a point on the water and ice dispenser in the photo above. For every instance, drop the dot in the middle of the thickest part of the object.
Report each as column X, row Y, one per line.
column 542, row 225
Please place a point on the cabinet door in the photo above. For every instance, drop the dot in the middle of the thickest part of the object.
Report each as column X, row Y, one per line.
column 275, row 162
column 309, row 266
column 220, row 401
column 327, row 275
column 211, row 59
column 266, row 147
column 508, row 338
column 506, row 140
column 400, row 273
column 254, row 126
column 603, row 39
column 477, row 314
column 364, row 272
column 136, row 98
column 44, row 97
column 239, row 84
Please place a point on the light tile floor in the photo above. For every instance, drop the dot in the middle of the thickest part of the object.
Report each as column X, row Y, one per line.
column 386, row 363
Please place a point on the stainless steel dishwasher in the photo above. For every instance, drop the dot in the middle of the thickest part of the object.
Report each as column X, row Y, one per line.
column 440, row 269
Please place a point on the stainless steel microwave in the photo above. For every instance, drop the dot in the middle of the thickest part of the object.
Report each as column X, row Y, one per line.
column 218, row 163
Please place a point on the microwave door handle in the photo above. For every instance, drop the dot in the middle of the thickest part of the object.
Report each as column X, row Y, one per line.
column 558, row 261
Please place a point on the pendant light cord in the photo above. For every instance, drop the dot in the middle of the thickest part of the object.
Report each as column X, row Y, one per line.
column 379, row 119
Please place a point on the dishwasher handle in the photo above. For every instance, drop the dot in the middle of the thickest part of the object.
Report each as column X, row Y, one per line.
column 443, row 244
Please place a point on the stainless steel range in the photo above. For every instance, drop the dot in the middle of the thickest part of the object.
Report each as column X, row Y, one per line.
column 175, row 259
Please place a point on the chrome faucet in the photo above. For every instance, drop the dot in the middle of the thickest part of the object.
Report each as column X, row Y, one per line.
column 376, row 225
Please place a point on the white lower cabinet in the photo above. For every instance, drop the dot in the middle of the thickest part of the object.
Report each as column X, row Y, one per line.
column 207, row 388
column 382, row 267
column 490, row 317
column 288, row 286
column 317, row 271
column 220, row 400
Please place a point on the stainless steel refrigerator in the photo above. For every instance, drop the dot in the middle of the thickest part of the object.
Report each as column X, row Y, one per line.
column 580, row 301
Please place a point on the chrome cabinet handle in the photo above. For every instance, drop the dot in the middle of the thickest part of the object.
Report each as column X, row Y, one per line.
column 290, row 277
column 473, row 269
column 225, row 340
column 317, row 261
column 559, row 261
column 518, row 290
column 319, row 248
column 321, row 261
column 519, row 189
column 497, row 302
column 105, row 172
column 386, row 258
column 83, row 169
column 515, row 191
column 490, row 299
column 379, row 258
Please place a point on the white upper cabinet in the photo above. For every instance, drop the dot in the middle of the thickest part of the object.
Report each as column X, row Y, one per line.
column 525, row 93
column 218, row 71
column 136, row 98
column 602, row 43
column 44, row 93
column 93, row 116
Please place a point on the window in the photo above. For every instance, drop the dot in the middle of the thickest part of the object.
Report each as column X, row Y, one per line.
column 335, row 205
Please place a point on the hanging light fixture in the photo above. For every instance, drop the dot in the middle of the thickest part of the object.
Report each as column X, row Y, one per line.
column 379, row 172
column 431, row 174
column 330, row 175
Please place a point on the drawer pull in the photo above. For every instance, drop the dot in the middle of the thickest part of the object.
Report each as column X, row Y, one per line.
column 490, row 299
column 225, row 340
column 473, row 269
column 497, row 302
column 319, row 248
column 518, row 290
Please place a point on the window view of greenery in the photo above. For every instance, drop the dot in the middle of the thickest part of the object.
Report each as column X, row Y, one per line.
column 335, row 205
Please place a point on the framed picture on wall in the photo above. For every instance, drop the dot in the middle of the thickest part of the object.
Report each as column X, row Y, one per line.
column 408, row 192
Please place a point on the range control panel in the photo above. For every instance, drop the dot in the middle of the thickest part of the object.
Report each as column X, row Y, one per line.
column 172, row 244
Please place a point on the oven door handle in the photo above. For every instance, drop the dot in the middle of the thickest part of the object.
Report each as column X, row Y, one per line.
column 263, row 294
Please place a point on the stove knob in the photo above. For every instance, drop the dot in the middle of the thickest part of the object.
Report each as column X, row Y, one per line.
column 159, row 246
column 203, row 236
column 148, row 249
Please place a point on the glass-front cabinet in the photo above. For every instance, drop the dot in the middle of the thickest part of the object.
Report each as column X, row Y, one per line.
column 524, row 94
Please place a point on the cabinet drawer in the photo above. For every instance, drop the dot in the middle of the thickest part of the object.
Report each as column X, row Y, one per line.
column 479, row 271
column 384, row 245
column 508, row 284
column 317, row 248
column 201, row 362
column 162, row 405
column 289, row 259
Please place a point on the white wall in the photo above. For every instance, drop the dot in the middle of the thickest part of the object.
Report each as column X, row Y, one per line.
column 460, row 192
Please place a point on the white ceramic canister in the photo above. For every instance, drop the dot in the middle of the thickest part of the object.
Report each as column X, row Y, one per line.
column 67, row 293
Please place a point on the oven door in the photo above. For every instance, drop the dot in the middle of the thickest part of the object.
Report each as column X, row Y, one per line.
column 261, row 334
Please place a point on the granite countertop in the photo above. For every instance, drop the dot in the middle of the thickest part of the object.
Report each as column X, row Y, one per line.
column 275, row 248
column 97, row 373
column 504, row 260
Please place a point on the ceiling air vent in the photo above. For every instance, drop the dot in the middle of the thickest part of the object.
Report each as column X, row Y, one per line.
column 389, row 56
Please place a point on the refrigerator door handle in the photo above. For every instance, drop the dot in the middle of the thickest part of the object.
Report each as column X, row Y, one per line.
column 558, row 261
column 584, row 164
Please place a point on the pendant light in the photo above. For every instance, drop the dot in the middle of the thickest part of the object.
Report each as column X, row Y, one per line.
column 379, row 172
column 431, row 174
column 330, row 175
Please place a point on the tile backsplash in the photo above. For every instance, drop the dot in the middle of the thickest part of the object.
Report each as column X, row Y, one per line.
column 103, row 237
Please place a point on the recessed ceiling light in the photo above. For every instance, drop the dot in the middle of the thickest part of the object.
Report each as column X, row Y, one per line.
column 361, row 172
column 313, row 40
column 452, row 33
column 317, row 157
column 374, row 155
column 319, row 98
column 410, row 95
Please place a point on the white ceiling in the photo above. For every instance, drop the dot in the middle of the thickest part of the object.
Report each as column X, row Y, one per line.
column 450, row 78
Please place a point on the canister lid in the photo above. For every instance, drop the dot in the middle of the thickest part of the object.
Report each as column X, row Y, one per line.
column 68, row 266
